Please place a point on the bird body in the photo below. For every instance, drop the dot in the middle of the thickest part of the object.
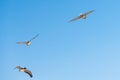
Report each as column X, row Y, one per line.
column 25, row 70
column 28, row 42
column 83, row 16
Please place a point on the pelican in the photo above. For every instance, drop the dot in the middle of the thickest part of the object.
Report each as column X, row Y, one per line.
column 83, row 16
column 28, row 42
column 25, row 70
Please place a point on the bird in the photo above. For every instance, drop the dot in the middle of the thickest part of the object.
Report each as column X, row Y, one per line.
column 29, row 41
column 83, row 16
column 25, row 70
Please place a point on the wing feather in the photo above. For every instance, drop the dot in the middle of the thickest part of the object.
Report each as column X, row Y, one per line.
column 21, row 42
column 88, row 12
column 74, row 19
column 28, row 72
column 34, row 37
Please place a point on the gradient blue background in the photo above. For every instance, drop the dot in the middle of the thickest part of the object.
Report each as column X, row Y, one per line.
column 83, row 50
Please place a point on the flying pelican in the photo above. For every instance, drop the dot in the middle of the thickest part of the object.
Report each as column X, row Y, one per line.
column 25, row 70
column 83, row 16
column 29, row 41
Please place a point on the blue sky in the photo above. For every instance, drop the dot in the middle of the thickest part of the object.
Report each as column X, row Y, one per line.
column 83, row 50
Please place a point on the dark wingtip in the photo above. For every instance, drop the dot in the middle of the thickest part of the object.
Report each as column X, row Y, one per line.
column 31, row 76
column 92, row 10
column 69, row 21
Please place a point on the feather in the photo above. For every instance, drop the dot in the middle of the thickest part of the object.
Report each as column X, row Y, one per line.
column 25, row 70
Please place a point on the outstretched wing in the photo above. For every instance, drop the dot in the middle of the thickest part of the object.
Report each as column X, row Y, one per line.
column 74, row 19
column 18, row 67
column 88, row 12
column 29, row 73
column 34, row 37
column 21, row 42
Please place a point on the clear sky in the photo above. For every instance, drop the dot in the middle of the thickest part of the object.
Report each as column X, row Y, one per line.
column 83, row 50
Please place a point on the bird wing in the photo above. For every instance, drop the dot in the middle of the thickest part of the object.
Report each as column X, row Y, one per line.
column 74, row 19
column 34, row 37
column 28, row 72
column 21, row 42
column 88, row 12
column 18, row 67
